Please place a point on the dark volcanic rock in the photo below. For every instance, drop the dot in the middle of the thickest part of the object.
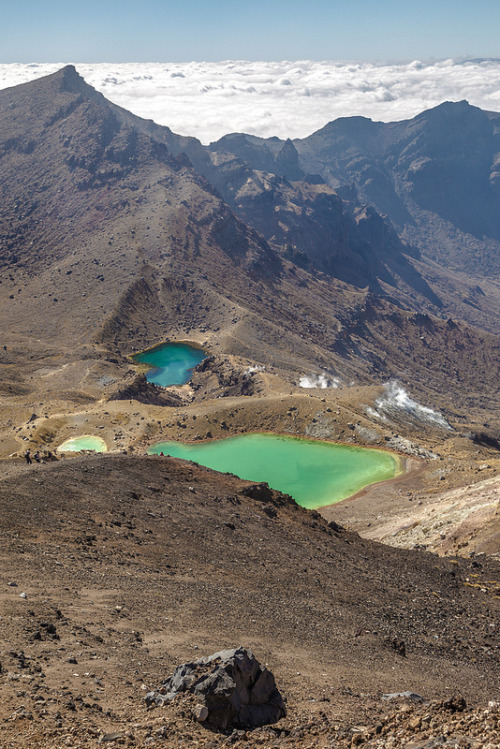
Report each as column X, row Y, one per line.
column 287, row 162
column 145, row 392
column 310, row 224
column 435, row 176
column 232, row 687
column 217, row 375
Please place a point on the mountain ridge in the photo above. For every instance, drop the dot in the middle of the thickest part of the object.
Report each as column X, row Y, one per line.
column 377, row 158
column 112, row 240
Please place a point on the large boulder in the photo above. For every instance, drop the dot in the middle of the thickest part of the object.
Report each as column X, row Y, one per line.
column 231, row 689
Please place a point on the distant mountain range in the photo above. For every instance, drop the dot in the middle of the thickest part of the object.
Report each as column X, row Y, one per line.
column 426, row 189
column 436, row 176
column 348, row 250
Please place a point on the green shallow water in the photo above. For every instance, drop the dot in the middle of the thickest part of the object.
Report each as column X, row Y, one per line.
column 314, row 473
column 85, row 442
column 172, row 363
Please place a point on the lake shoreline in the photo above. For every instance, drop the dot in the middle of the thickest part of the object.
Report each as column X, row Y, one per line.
column 329, row 475
column 407, row 469
column 170, row 363
column 272, row 432
column 95, row 440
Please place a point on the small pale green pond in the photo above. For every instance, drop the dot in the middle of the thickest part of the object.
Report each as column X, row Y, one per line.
column 172, row 363
column 85, row 442
column 315, row 473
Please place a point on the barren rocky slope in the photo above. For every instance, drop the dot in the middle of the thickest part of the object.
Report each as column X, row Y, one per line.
column 434, row 177
column 111, row 241
column 130, row 566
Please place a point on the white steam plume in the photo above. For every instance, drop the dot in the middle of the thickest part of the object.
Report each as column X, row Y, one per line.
column 321, row 382
column 395, row 398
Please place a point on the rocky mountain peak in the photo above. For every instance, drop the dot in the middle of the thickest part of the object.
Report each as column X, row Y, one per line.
column 71, row 80
column 287, row 161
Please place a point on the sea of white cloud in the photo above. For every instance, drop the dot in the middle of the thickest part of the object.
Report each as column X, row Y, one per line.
column 287, row 99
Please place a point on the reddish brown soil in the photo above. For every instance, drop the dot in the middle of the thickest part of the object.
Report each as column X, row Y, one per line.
column 131, row 566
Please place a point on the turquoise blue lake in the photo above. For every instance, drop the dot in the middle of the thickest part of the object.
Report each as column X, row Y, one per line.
column 172, row 363
column 314, row 473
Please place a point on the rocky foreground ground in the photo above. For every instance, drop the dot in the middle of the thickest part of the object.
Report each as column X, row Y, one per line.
column 116, row 569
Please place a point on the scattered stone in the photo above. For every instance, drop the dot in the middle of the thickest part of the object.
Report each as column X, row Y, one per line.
column 260, row 492
column 408, row 695
column 105, row 737
column 50, row 629
column 200, row 712
column 456, row 704
column 230, row 685
column 22, row 713
column 397, row 645
column 335, row 527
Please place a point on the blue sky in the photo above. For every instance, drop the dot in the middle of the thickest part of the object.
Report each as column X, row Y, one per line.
column 185, row 30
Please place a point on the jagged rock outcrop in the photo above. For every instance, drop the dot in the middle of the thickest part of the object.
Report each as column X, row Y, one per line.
column 435, row 176
column 286, row 162
column 231, row 687
column 216, row 375
column 141, row 390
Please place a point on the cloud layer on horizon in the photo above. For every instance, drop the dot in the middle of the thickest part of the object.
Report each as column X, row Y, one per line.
column 287, row 99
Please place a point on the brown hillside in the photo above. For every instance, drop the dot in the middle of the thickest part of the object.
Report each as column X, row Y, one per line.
column 133, row 565
column 111, row 244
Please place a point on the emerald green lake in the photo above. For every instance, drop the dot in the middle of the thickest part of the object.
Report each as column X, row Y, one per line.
column 85, row 442
column 314, row 473
column 172, row 363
